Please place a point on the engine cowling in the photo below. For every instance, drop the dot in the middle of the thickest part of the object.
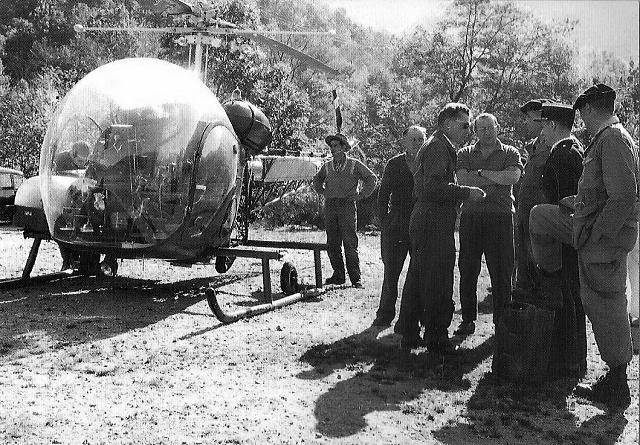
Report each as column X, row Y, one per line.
column 250, row 124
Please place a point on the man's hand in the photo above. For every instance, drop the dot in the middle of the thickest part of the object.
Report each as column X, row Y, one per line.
column 476, row 194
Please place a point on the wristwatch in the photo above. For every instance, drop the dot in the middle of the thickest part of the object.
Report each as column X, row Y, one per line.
column 479, row 172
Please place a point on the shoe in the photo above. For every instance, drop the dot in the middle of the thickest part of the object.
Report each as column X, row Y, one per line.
column 611, row 389
column 334, row 280
column 381, row 322
column 410, row 342
column 441, row 347
column 465, row 328
column 358, row 284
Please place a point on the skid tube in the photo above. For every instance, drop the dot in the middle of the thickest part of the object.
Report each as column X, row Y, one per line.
column 265, row 256
column 26, row 279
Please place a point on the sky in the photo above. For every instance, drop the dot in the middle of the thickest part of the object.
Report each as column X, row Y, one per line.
column 602, row 25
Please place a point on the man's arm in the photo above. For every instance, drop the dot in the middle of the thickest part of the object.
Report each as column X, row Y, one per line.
column 368, row 178
column 471, row 178
column 318, row 180
column 432, row 183
column 385, row 191
column 508, row 176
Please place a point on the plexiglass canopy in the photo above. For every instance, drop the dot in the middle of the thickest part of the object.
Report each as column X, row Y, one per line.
column 133, row 149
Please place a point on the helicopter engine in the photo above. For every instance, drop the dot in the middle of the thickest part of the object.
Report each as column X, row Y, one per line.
column 250, row 124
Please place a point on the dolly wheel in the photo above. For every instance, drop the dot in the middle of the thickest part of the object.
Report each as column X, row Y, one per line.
column 289, row 279
column 109, row 266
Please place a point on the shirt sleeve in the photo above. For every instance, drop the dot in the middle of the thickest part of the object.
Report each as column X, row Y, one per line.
column 513, row 159
column 385, row 191
column 318, row 179
column 619, row 177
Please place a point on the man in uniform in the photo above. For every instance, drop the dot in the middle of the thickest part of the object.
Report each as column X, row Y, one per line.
column 395, row 202
column 603, row 229
column 428, row 288
column 338, row 180
column 529, row 193
column 561, row 172
column 486, row 227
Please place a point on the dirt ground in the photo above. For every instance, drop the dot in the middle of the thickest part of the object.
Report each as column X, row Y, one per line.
column 140, row 359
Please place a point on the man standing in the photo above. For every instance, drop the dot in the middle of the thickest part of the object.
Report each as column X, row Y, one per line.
column 529, row 194
column 603, row 229
column 338, row 180
column 486, row 226
column 428, row 288
column 395, row 202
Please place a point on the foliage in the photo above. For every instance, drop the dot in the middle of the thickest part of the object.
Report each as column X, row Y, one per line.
column 24, row 113
column 490, row 54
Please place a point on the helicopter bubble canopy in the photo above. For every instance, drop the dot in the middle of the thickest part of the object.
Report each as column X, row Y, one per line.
column 137, row 152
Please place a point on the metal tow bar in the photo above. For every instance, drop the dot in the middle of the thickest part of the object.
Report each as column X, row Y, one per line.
column 265, row 256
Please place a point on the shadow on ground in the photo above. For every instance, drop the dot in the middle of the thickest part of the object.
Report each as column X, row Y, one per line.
column 517, row 413
column 85, row 309
column 393, row 379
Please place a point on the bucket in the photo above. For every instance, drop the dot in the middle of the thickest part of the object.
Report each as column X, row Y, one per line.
column 523, row 343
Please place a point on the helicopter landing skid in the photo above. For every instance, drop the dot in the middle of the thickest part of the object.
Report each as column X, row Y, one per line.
column 26, row 279
column 288, row 273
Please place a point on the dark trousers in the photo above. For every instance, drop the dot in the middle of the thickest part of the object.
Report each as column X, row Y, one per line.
column 394, row 246
column 526, row 272
column 340, row 225
column 491, row 234
column 428, row 288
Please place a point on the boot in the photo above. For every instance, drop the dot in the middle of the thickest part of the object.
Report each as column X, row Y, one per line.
column 611, row 389
column 551, row 289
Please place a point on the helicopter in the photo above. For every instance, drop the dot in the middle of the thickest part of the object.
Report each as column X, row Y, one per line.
column 141, row 160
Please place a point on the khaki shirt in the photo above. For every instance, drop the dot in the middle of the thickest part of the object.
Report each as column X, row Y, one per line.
column 608, row 190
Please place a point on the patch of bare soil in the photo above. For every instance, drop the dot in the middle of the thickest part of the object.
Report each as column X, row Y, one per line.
column 140, row 359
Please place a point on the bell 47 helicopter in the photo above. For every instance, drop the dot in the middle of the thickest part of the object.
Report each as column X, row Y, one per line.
column 140, row 160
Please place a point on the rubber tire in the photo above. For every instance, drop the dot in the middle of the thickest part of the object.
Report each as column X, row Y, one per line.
column 289, row 279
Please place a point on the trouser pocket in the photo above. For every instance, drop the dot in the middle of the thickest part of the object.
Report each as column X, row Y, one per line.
column 606, row 276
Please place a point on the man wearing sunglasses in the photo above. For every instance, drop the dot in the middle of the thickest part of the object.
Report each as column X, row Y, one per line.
column 428, row 288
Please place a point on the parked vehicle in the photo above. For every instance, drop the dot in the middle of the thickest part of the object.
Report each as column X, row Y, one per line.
column 10, row 180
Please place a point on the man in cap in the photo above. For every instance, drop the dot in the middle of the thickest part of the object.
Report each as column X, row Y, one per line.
column 395, row 202
column 428, row 288
column 561, row 172
column 338, row 180
column 603, row 229
column 486, row 227
column 529, row 193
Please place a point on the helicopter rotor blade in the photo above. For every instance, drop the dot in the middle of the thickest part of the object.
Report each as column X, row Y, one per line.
column 306, row 58
column 166, row 30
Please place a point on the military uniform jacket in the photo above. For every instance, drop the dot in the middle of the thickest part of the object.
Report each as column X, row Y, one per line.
column 606, row 206
column 561, row 172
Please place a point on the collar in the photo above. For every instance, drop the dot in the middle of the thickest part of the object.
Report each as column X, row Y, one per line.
column 444, row 136
column 561, row 141
column 609, row 122
column 476, row 146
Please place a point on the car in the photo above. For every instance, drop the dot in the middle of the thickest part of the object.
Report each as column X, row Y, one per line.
column 10, row 180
